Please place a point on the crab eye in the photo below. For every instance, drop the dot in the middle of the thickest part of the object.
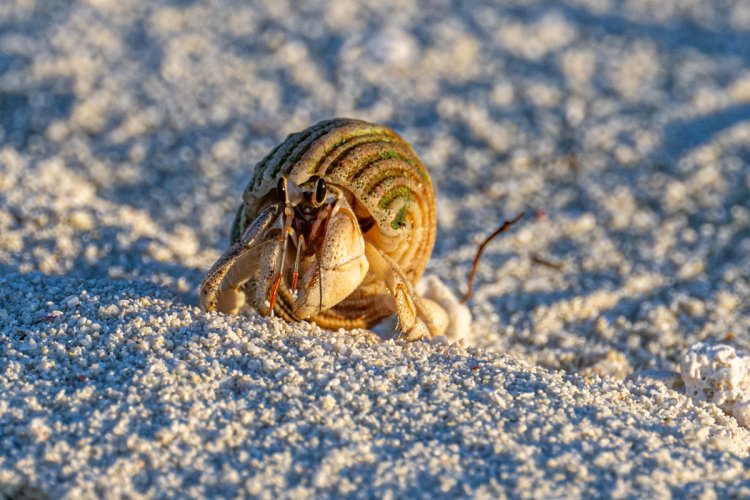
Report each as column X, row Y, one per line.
column 320, row 191
column 281, row 190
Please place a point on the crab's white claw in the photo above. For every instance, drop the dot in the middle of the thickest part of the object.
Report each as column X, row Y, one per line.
column 343, row 266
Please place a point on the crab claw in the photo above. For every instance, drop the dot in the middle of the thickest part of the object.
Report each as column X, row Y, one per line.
column 340, row 269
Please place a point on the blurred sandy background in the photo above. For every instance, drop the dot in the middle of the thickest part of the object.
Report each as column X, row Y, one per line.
column 129, row 129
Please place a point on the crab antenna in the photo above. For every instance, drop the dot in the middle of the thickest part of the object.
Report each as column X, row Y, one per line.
column 504, row 227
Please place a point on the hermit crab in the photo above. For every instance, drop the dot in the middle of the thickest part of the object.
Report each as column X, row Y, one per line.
column 336, row 227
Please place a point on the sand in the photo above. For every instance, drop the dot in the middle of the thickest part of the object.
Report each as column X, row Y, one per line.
column 129, row 130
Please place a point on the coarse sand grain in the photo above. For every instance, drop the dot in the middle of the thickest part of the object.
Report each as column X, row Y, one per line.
column 128, row 130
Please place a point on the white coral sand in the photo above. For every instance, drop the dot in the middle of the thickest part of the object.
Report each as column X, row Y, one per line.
column 720, row 374
column 459, row 316
column 128, row 130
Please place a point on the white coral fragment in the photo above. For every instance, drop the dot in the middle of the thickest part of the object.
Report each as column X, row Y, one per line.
column 459, row 316
column 721, row 375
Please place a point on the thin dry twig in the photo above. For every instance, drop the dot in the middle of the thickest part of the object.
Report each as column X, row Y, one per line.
column 536, row 259
column 505, row 226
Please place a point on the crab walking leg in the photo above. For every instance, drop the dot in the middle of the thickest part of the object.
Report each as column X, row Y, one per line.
column 286, row 233
column 418, row 317
column 270, row 259
column 300, row 250
column 220, row 290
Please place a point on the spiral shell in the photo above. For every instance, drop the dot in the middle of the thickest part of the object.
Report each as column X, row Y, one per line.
column 385, row 183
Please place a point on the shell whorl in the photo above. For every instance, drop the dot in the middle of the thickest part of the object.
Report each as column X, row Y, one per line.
column 386, row 179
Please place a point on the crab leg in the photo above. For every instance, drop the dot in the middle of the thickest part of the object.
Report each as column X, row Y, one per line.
column 285, row 233
column 220, row 290
column 417, row 316
column 300, row 250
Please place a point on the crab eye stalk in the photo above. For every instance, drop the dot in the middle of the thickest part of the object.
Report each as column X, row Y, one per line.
column 320, row 191
column 281, row 190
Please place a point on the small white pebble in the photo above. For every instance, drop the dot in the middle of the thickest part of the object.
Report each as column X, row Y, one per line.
column 327, row 402
column 71, row 301
column 719, row 374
